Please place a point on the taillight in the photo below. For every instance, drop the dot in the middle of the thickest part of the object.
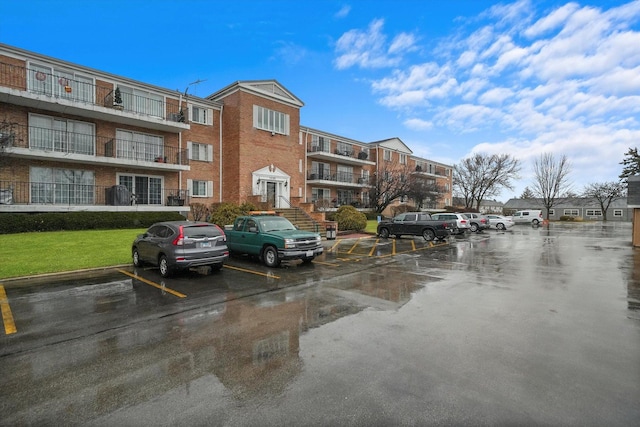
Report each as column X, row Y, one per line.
column 179, row 241
column 224, row 236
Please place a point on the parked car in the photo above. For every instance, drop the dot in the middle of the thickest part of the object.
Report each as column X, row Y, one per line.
column 178, row 245
column 415, row 224
column 477, row 221
column 461, row 221
column 272, row 238
column 500, row 222
column 528, row 217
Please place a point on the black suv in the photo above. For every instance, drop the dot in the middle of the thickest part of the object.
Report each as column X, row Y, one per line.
column 178, row 245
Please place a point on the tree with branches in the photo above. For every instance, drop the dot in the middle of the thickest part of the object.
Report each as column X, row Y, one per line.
column 551, row 178
column 631, row 164
column 423, row 189
column 482, row 175
column 605, row 193
column 390, row 182
column 527, row 194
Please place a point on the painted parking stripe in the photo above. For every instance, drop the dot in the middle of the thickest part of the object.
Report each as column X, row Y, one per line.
column 154, row 284
column 259, row 273
column 7, row 317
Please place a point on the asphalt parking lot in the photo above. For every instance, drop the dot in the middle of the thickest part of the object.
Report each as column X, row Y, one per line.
column 534, row 326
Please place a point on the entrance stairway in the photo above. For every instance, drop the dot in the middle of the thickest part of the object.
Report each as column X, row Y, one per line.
column 300, row 219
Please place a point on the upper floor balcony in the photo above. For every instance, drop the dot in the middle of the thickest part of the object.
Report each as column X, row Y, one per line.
column 347, row 154
column 51, row 144
column 47, row 89
column 433, row 171
column 334, row 177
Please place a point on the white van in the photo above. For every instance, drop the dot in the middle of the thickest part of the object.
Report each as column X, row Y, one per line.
column 528, row 217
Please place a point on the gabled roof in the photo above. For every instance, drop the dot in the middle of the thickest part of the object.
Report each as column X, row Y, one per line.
column 395, row 144
column 266, row 88
column 564, row 203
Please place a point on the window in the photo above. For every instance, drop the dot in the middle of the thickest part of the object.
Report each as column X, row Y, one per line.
column 59, row 83
column 386, row 155
column 55, row 134
column 344, row 149
column 201, row 152
column 200, row 188
column 403, row 159
column 62, row 186
column 571, row 212
column 319, row 143
column 145, row 190
column 552, row 212
column 345, row 173
column 594, row 212
column 270, row 120
column 138, row 146
column 320, row 194
column 320, row 171
column 201, row 115
column 617, row 212
column 364, row 177
column 142, row 101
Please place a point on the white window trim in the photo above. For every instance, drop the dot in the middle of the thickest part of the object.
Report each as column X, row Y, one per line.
column 571, row 212
column 593, row 212
column 617, row 212
column 209, row 188
column 271, row 125
column 209, row 158
column 209, row 115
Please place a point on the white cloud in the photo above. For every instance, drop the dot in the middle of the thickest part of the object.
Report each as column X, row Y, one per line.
column 418, row 124
column 343, row 12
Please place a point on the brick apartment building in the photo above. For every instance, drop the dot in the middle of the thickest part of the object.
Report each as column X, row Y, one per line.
column 77, row 139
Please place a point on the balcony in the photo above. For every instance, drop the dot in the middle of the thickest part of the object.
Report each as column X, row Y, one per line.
column 55, row 92
column 333, row 177
column 16, row 196
column 48, row 144
column 350, row 156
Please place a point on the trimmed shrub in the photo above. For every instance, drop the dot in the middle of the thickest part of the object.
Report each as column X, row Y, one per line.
column 224, row 213
column 349, row 218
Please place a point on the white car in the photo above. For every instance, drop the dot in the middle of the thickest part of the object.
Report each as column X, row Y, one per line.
column 500, row 222
column 462, row 221
column 533, row 217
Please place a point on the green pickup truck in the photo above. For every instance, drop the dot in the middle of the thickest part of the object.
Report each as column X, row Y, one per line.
column 272, row 238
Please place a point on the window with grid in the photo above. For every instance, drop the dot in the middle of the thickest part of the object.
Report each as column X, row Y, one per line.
column 62, row 186
column 571, row 212
column 200, row 188
column 617, row 212
column 201, row 115
column 270, row 120
column 200, row 152
column 594, row 212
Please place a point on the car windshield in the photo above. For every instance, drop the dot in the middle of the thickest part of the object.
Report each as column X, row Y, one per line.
column 276, row 224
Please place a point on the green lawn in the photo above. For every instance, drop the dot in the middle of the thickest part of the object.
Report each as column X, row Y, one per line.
column 28, row 254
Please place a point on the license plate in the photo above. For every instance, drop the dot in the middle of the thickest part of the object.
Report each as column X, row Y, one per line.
column 309, row 253
column 205, row 244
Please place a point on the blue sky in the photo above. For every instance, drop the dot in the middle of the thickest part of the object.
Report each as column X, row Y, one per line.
column 449, row 78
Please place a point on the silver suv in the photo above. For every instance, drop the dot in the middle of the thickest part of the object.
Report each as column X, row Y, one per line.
column 477, row 221
column 179, row 245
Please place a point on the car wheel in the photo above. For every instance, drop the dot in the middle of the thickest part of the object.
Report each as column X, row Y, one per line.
column 428, row 234
column 535, row 222
column 216, row 267
column 270, row 257
column 307, row 260
column 136, row 258
column 165, row 270
column 500, row 226
column 474, row 228
column 384, row 233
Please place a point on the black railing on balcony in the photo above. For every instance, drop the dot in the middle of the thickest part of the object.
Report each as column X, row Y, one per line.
column 338, row 176
column 44, row 139
column 47, row 193
column 82, row 90
column 341, row 151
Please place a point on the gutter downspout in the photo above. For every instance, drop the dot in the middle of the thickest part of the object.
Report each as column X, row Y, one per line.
column 220, row 166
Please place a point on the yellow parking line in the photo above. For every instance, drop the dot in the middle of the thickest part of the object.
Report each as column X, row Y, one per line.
column 373, row 248
column 393, row 247
column 7, row 317
column 335, row 244
column 332, row 264
column 154, row 284
column 271, row 275
column 413, row 245
column 354, row 246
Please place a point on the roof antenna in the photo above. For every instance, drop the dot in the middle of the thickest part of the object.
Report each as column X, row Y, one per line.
column 197, row 82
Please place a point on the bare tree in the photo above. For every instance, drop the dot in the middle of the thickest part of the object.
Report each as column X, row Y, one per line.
column 390, row 182
column 551, row 178
column 423, row 189
column 605, row 193
column 481, row 175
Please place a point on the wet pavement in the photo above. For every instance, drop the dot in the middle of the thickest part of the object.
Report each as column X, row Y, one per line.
column 535, row 326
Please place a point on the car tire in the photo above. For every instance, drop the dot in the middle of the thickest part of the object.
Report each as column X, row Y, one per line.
column 428, row 234
column 500, row 226
column 535, row 222
column 163, row 265
column 384, row 233
column 270, row 257
column 137, row 262
column 474, row 227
